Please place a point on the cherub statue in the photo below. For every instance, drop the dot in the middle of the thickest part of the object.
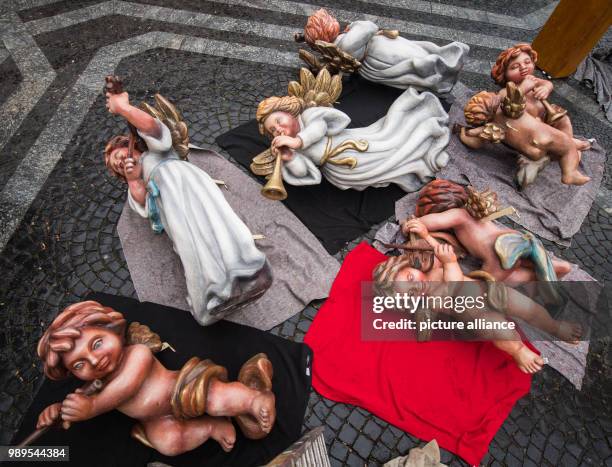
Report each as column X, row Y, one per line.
column 177, row 411
column 506, row 254
column 442, row 273
column 223, row 268
column 406, row 147
column 381, row 55
column 496, row 120
column 526, row 121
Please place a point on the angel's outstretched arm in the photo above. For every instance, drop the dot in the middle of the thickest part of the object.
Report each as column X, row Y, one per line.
column 119, row 104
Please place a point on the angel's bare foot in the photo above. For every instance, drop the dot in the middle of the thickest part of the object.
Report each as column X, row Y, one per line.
column 527, row 360
column 569, row 332
column 575, row 178
column 223, row 432
column 264, row 410
column 582, row 145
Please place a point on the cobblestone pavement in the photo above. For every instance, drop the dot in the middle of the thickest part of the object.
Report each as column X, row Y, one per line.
column 59, row 207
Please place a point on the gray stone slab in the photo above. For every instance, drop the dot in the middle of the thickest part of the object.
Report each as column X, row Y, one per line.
column 195, row 44
column 459, row 12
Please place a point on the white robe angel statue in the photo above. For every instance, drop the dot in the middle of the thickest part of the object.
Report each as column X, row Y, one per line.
column 405, row 147
column 223, row 268
column 382, row 56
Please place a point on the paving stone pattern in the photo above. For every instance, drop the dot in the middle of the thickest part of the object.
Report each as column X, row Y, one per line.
column 67, row 245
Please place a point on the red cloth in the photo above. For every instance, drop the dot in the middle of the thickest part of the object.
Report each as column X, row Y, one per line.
column 459, row 393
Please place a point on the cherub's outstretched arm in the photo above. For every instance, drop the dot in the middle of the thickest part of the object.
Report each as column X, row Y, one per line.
column 434, row 222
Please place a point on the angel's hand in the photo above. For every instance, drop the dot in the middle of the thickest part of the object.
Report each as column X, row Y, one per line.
column 49, row 416
column 287, row 141
column 445, row 253
column 132, row 170
column 543, row 90
column 529, row 82
column 116, row 103
column 415, row 226
column 77, row 407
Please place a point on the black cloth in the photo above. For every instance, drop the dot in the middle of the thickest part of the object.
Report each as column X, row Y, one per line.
column 333, row 215
column 105, row 440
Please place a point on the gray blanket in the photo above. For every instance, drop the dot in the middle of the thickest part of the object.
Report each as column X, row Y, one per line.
column 547, row 208
column 303, row 271
column 569, row 360
column 597, row 74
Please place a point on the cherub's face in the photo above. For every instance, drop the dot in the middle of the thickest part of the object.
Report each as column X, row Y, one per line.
column 96, row 354
column 282, row 124
column 410, row 275
column 519, row 67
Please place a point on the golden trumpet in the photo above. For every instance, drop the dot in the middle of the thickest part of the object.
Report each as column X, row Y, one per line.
column 274, row 189
column 551, row 114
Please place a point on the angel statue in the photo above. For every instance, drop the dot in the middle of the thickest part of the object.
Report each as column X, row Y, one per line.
column 224, row 270
column 381, row 55
column 405, row 147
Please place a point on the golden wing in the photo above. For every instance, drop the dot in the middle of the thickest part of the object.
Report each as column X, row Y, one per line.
column 169, row 115
column 322, row 91
column 141, row 334
column 263, row 163
column 331, row 57
column 514, row 103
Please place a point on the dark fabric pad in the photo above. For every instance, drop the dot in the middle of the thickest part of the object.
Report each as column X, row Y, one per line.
column 334, row 216
column 105, row 440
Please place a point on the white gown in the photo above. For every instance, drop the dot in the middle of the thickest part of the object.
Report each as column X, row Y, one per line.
column 400, row 62
column 405, row 147
column 214, row 245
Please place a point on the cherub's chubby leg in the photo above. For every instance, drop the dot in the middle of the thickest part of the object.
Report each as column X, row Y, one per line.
column 570, row 174
column 172, row 437
column 526, row 359
column 565, row 125
column 521, row 306
column 508, row 340
column 231, row 399
column 561, row 145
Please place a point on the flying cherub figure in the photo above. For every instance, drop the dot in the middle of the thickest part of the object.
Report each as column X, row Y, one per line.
column 506, row 254
column 521, row 116
column 442, row 267
column 176, row 411
column 496, row 120
column 517, row 65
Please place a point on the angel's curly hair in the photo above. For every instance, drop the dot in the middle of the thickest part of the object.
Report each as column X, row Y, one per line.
column 498, row 72
column 290, row 104
column 481, row 108
column 321, row 26
column 65, row 329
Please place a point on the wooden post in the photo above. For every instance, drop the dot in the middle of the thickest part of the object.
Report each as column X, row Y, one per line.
column 570, row 34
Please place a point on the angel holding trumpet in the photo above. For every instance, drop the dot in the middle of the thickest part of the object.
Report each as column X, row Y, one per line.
column 310, row 139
